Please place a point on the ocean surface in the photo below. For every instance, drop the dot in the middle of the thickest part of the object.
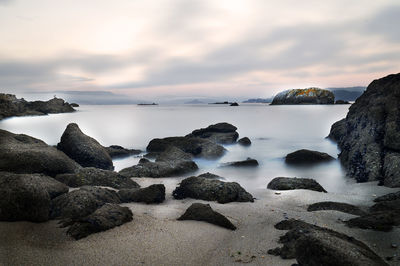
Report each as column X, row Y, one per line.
column 274, row 131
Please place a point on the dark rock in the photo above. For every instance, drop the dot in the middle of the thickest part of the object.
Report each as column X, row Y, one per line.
column 338, row 130
column 84, row 149
column 336, row 206
column 249, row 162
column 74, row 105
column 219, row 133
column 96, row 177
column 244, row 141
column 291, row 183
column 152, row 194
column 304, row 157
column 211, row 190
column 380, row 221
column 304, row 96
column 342, row 102
column 388, row 197
column 386, row 206
column 234, row 104
column 203, row 212
column 370, row 141
column 210, row 175
column 24, row 154
column 116, row 151
column 106, row 217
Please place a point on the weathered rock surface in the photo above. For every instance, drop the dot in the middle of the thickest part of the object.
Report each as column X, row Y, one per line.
column 379, row 221
column 204, row 212
column 116, row 151
column 84, row 149
column 223, row 133
column 388, row 197
column 91, row 176
column 336, row 206
column 249, row 162
column 304, row 96
column 386, row 206
column 369, row 137
column 211, row 190
column 11, row 106
column 210, row 175
column 314, row 245
column 151, row 194
column 291, row 183
column 304, row 157
column 104, row 218
column 244, row 141
column 20, row 153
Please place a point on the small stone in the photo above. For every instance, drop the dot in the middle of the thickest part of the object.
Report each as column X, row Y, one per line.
column 277, row 193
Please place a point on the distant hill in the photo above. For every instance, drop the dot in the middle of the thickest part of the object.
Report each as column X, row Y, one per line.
column 258, row 100
column 195, row 101
column 347, row 93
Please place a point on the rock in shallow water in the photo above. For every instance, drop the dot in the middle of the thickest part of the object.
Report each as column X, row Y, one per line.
column 305, row 157
column 291, row 183
column 244, row 141
column 304, row 96
column 336, row 206
column 249, row 162
column 151, row 194
column 223, row 133
column 116, row 151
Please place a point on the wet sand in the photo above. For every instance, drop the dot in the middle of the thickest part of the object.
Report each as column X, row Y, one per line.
column 155, row 237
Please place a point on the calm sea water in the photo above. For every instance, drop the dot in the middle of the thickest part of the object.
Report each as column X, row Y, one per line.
column 273, row 130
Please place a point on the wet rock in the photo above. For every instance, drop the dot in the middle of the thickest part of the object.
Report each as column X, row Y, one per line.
column 116, row 151
column 338, row 130
column 152, row 194
column 291, row 183
column 342, row 102
column 204, row 212
column 211, row 190
column 304, row 157
column 388, row 197
column 379, row 221
column 223, row 133
column 234, row 104
column 210, row 175
column 74, row 105
column 391, row 205
column 106, row 217
column 249, row 162
column 84, row 149
column 96, row 177
column 20, row 153
column 244, row 141
column 336, row 206
column 304, row 96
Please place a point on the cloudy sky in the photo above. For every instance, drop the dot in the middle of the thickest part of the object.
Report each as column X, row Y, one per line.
column 202, row 48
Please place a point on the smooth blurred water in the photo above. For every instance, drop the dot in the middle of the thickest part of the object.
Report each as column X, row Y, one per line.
column 273, row 130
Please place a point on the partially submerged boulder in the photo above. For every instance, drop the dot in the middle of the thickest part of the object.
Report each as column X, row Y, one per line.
column 249, row 162
column 379, row 221
column 305, row 157
column 116, row 151
column 84, row 149
column 244, row 141
column 211, row 190
column 20, row 153
column 304, row 96
column 338, row 130
column 336, row 206
column 291, row 183
column 204, row 212
column 151, row 194
column 388, row 197
column 223, row 133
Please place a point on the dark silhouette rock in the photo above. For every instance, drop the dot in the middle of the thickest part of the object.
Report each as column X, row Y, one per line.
column 304, row 96
column 291, row 183
column 370, row 140
column 151, row 194
column 84, row 149
column 304, row 157
column 223, row 133
column 249, row 162
column 234, row 104
column 24, row 154
column 336, row 206
column 244, row 141
column 379, row 221
column 338, row 130
column 388, row 197
column 342, row 102
column 203, row 212
column 116, row 151
column 96, row 177
column 211, row 190
column 390, row 205
column 74, row 105
column 104, row 218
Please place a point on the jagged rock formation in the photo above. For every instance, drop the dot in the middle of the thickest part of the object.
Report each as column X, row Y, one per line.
column 304, row 96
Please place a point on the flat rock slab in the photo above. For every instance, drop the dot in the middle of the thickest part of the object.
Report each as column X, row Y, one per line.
column 307, row 157
column 151, row 194
column 336, row 206
column 291, row 183
column 204, row 212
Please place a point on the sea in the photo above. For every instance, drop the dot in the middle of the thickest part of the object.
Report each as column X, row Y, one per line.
column 275, row 130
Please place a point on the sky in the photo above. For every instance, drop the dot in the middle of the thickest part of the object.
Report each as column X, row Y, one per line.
column 185, row 48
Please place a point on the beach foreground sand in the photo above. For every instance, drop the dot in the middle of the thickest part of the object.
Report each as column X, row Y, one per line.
column 155, row 237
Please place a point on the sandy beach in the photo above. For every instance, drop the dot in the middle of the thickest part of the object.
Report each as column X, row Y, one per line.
column 155, row 237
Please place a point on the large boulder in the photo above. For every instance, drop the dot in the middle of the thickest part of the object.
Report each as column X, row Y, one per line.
column 84, row 149
column 204, row 212
column 151, row 194
column 212, row 190
column 91, row 176
column 291, row 183
column 20, row 153
column 104, row 218
column 304, row 96
column 116, row 151
column 369, row 137
column 388, row 197
column 223, row 133
column 304, row 157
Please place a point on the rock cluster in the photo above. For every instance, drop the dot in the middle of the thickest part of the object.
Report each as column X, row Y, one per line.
column 304, row 96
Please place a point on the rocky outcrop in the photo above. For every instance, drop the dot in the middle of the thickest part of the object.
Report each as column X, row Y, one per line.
column 234, row 104
column 84, row 149
column 369, row 137
column 291, row 183
column 379, row 221
column 305, row 157
column 304, row 96
column 104, row 218
column 388, row 197
column 211, row 190
column 244, row 141
column 249, row 162
column 11, row 106
column 223, row 133
column 336, row 206
column 91, row 176
column 210, row 175
column 314, row 245
column 24, row 154
column 204, row 212
column 151, row 194
column 116, row 151
column 342, row 102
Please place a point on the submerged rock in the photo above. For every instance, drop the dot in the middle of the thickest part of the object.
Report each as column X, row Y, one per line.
column 204, row 212
column 84, row 149
column 116, row 151
column 151, row 194
column 304, row 157
column 304, row 96
column 20, row 153
column 244, row 141
column 336, row 206
column 211, row 190
column 223, row 133
column 249, row 162
column 291, row 183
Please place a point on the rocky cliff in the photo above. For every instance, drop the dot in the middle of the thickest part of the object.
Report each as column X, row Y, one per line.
column 304, row 96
